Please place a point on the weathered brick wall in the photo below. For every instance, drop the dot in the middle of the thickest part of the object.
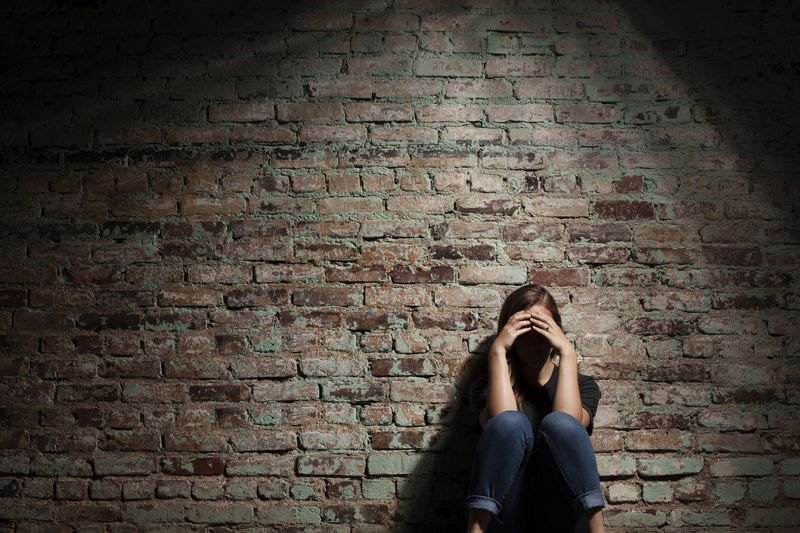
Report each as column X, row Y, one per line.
column 250, row 252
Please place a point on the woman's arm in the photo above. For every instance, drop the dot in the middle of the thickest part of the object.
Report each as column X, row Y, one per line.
column 568, row 397
column 501, row 396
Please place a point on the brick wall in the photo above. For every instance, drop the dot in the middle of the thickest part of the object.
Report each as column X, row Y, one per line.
column 250, row 252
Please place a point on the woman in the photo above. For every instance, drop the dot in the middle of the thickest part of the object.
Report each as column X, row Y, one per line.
column 549, row 482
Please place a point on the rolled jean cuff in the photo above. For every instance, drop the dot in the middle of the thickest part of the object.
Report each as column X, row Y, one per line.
column 591, row 500
column 483, row 502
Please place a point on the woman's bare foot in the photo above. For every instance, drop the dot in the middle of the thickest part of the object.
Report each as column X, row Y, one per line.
column 478, row 520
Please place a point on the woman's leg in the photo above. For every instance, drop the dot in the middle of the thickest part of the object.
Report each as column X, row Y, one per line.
column 499, row 472
column 566, row 476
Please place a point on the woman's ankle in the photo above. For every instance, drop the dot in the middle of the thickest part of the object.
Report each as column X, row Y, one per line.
column 478, row 520
column 595, row 521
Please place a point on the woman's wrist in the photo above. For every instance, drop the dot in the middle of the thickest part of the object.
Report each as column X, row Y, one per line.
column 567, row 352
column 498, row 353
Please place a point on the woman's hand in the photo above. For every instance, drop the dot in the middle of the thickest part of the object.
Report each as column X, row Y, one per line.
column 545, row 325
column 518, row 323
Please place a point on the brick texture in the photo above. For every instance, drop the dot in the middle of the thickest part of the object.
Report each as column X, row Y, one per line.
column 251, row 251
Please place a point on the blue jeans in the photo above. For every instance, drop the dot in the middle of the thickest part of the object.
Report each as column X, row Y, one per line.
column 544, row 484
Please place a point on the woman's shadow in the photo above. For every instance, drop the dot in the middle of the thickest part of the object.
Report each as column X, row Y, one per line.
column 432, row 494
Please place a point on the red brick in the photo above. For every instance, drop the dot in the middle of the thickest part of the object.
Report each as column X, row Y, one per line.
column 256, row 297
column 488, row 205
column 389, row 254
column 195, row 442
column 447, row 319
column 657, row 420
column 276, row 135
column 198, row 135
column 376, row 415
column 652, row 160
column 394, row 228
column 321, row 318
column 290, row 390
column 732, row 255
column 332, row 365
column 89, row 512
column 369, row 205
column 241, row 112
column 335, row 438
column 522, row 67
column 406, row 134
column 201, row 466
column 624, row 209
column 654, row 255
column 262, row 441
column 371, row 274
column 559, row 277
column 333, row 134
column 479, row 252
column 408, row 366
column 588, row 114
column 217, row 393
column 390, row 297
column 349, row 512
column 435, row 274
column 371, row 112
column 520, row 113
column 323, row 464
column 658, row 326
column 594, row 254
column 308, row 111
column 421, row 390
column 264, row 368
column 354, row 390
column 347, row 88
column 319, row 296
column 594, row 23
column 683, row 394
column 478, row 89
column 599, row 233
column 447, row 113
column 406, row 439
column 189, row 297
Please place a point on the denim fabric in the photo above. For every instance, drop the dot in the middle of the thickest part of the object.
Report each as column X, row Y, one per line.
column 534, row 484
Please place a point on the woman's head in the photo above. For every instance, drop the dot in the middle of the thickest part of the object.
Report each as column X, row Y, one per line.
column 529, row 297
column 531, row 345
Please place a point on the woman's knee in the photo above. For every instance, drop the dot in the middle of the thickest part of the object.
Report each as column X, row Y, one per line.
column 559, row 423
column 510, row 423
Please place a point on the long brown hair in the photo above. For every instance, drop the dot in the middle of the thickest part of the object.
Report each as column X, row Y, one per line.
column 520, row 299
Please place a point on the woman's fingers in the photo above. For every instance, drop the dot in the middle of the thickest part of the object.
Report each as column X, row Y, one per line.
column 544, row 326
column 521, row 324
column 523, row 329
column 541, row 317
column 519, row 315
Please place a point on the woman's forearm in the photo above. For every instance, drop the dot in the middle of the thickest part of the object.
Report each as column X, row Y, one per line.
column 501, row 396
column 568, row 396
